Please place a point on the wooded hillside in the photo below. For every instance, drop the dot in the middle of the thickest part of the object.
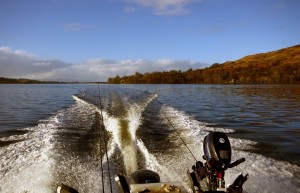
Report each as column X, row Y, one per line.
column 281, row 66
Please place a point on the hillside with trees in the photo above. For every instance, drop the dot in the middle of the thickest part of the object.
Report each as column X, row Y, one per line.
column 277, row 67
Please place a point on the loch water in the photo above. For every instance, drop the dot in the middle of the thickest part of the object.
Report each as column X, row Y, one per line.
column 49, row 134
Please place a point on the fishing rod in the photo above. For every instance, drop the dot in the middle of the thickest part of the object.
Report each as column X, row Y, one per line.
column 100, row 147
column 105, row 143
column 178, row 134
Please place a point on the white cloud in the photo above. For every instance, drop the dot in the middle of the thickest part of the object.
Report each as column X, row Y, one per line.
column 99, row 61
column 42, row 63
column 8, row 49
column 5, row 49
column 128, row 67
column 166, row 7
column 16, row 64
column 19, row 63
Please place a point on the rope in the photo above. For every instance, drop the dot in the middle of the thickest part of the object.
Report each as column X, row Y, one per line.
column 180, row 137
column 105, row 144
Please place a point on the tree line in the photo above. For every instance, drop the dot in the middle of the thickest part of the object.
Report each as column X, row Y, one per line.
column 4, row 80
column 218, row 74
column 277, row 67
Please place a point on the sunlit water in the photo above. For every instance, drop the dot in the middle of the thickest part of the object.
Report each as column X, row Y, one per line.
column 51, row 134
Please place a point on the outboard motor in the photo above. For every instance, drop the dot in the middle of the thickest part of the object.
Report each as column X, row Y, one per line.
column 209, row 177
column 217, row 150
column 144, row 176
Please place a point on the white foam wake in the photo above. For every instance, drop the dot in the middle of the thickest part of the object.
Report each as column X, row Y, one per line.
column 133, row 119
column 153, row 164
column 26, row 166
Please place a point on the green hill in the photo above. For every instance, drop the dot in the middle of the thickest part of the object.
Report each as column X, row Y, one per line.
column 281, row 66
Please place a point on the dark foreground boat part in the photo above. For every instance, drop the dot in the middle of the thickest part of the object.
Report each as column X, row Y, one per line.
column 237, row 185
column 144, row 177
column 143, row 181
column 122, row 184
column 62, row 188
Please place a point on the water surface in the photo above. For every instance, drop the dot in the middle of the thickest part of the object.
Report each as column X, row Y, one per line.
column 53, row 133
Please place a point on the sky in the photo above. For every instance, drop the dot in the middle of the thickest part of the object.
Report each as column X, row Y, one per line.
column 91, row 40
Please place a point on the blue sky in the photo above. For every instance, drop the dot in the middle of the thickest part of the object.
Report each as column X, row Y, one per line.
column 94, row 39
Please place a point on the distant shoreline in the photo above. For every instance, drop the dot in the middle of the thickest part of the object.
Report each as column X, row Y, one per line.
column 4, row 80
column 55, row 82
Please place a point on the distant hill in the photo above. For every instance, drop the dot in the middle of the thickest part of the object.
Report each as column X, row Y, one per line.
column 281, row 66
column 286, row 56
column 4, row 80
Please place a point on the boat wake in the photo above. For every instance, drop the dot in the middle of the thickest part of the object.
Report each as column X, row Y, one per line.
column 27, row 162
column 66, row 148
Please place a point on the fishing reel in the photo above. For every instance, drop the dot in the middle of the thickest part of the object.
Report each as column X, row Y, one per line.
column 209, row 177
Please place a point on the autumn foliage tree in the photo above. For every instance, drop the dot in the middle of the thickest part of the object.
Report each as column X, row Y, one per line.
column 281, row 66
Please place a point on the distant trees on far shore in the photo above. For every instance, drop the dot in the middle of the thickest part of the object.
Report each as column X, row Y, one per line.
column 251, row 75
column 4, row 80
column 278, row 67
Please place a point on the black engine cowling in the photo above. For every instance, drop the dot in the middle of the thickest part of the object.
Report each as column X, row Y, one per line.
column 217, row 150
column 144, row 176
